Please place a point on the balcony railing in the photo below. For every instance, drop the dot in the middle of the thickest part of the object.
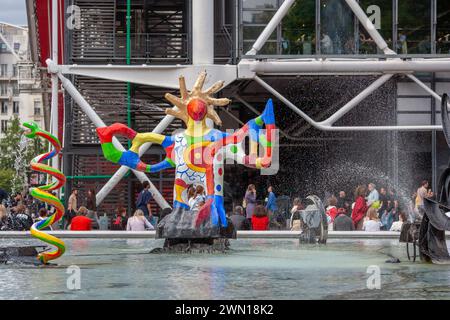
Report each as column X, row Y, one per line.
column 145, row 48
column 165, row 48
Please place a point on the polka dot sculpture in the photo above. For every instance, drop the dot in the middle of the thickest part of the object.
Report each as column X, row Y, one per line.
column 197, row 153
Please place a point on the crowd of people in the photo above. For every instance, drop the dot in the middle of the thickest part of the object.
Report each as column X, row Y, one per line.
column 374, row 210
column 369, row 210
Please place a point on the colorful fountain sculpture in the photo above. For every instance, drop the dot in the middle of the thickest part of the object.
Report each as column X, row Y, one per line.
column 198, row 154
column 43, row 193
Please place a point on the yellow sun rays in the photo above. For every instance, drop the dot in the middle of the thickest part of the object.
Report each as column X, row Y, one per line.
column 197, row 93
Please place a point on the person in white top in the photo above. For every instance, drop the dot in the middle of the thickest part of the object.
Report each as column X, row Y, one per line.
column 372, row 223
column 138, row 222
column 397, row 225
column 294, row 222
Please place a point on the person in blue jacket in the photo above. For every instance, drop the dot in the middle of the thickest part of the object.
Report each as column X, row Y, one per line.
column 271, row 205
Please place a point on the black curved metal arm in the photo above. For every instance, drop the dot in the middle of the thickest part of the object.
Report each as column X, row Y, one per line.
column 445, row 118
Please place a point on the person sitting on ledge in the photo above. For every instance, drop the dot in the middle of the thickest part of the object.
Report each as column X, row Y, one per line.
column 43, row 213
column 343, row 222
column 372, row 223
column 138, row 222
column 239, row 220
column 19, row 220
column 3, row 218
column 397, row 225
column 260, row 220
column 81, row 222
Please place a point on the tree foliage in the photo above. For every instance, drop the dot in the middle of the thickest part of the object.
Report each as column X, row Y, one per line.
column 16, row 152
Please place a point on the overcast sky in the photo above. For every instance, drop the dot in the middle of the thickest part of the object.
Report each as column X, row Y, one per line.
column 13, row 11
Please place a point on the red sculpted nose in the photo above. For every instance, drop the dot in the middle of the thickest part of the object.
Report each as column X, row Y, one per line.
column 197, row 109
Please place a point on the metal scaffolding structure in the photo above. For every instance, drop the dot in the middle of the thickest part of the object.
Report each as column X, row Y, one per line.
column 249, row 68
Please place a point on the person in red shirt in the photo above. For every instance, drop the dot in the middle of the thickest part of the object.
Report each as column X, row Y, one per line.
column 360, row 208
column 331, row 209
column 81, row 222
column 260, row 220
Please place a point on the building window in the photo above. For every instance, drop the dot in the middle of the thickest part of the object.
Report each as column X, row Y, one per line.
column 4, row 106
column 3, row 70
column 37, row 107
column 14, row 70
column 443, row 27
column 4, row 125
column 3, row 89
column 15, row 89
column 414, row 27
column 255, row 16
column 337, row 28
column 299, row 29
column 16, row 107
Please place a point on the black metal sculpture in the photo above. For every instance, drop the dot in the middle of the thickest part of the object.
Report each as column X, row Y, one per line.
column 431, row 234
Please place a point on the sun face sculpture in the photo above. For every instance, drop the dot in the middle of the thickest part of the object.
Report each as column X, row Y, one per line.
column 197, row 104
column 198, row 153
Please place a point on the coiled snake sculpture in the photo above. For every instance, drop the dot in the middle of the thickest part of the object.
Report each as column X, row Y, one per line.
column 44, row 194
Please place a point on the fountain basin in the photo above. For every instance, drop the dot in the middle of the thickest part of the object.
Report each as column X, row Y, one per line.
column 254, row 268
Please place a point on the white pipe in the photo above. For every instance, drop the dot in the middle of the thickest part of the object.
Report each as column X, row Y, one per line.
column 426, row 88
column 324, row 66
column 360, row 97
column 320, row 126
column 98, row 122
column 115, row 179
column 271, row 26
column 368, row 25
column 55, row 83
column 202, row 32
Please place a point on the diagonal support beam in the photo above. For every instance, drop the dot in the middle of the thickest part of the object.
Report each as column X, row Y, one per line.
column 323, row 127
column 368, row 25
column 98, row 122
column 426, row 88
column 356, row 100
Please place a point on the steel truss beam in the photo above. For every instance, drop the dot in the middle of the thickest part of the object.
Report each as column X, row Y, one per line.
column 156, row 76
column 342, row 66
column 326, row 126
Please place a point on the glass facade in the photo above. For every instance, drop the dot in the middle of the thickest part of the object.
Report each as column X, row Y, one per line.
column 337, row 28
column 299, row 29
column 330, row 27
column 255, row 16
column 414, row 27
column 443, row 27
